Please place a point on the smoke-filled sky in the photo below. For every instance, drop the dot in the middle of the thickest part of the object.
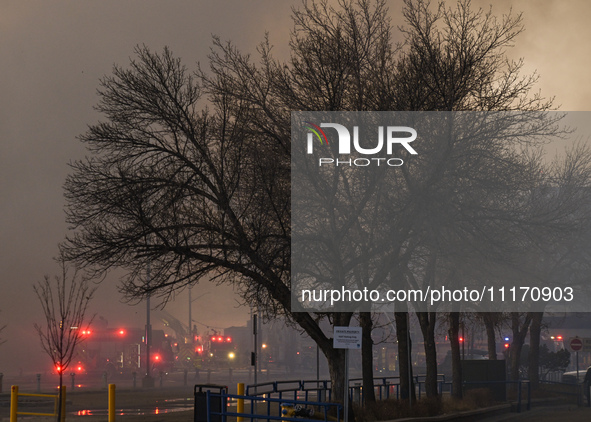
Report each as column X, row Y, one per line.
column 52, row 55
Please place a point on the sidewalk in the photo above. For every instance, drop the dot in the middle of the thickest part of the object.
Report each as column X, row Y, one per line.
column 570, row 413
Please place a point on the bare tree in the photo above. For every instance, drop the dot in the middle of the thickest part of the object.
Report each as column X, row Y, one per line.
column 2, row 329
column 454, row 58
column 196, row 190
column 209, row 189
column 64, row 300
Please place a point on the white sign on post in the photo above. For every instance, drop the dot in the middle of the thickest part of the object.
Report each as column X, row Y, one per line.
column 347, row 338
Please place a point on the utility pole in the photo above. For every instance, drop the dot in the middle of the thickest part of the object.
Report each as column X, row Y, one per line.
column 408, row 351
column 255, row 354
column 148, row 381
column 190, row 333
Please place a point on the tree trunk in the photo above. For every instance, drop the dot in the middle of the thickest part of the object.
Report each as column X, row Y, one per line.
column 336, row 369
column 489, row 323
column 336, row 366
column 427, row 321
column 407, row 389
column 519, row 333
column 366, row 323
column 60, row 393
column 456, row 359
column 534, row 349
column 335, row 357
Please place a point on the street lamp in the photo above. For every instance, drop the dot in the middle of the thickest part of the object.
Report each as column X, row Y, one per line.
column 148, row 381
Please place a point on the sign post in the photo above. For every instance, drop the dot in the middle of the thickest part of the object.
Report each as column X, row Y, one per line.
column 346, row 338
column 255, row 357
column 576, row 344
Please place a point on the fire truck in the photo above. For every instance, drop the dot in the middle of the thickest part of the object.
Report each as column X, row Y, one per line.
column 193, row 351
column 122, row 351
column 217, row 351
column 220, row 351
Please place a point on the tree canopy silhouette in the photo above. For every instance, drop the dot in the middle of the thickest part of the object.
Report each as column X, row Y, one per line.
column 190, row 170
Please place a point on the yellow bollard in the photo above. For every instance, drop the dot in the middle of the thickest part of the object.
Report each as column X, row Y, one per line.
column 63, row 418
column 13, row 403
column 240, row 402
column 111, row 402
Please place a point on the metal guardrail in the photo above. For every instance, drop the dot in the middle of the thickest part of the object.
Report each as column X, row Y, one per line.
column 14, row 412
column 520, row 383
column 14, row 395
column 385, row 388
column 278, row 389
column 222, row 413
column 577, row 391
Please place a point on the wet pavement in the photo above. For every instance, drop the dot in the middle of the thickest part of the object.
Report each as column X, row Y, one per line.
column 562, row 413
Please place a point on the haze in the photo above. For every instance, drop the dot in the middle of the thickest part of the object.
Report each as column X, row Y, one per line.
column 52, row 56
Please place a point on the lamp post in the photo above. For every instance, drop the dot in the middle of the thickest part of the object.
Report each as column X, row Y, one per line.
column 148, row 381
column 255, row 355
column 190, row 333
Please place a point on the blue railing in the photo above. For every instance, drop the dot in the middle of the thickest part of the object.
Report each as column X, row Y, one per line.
column 223, row 412
column 293, row 388
column 385, row 388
